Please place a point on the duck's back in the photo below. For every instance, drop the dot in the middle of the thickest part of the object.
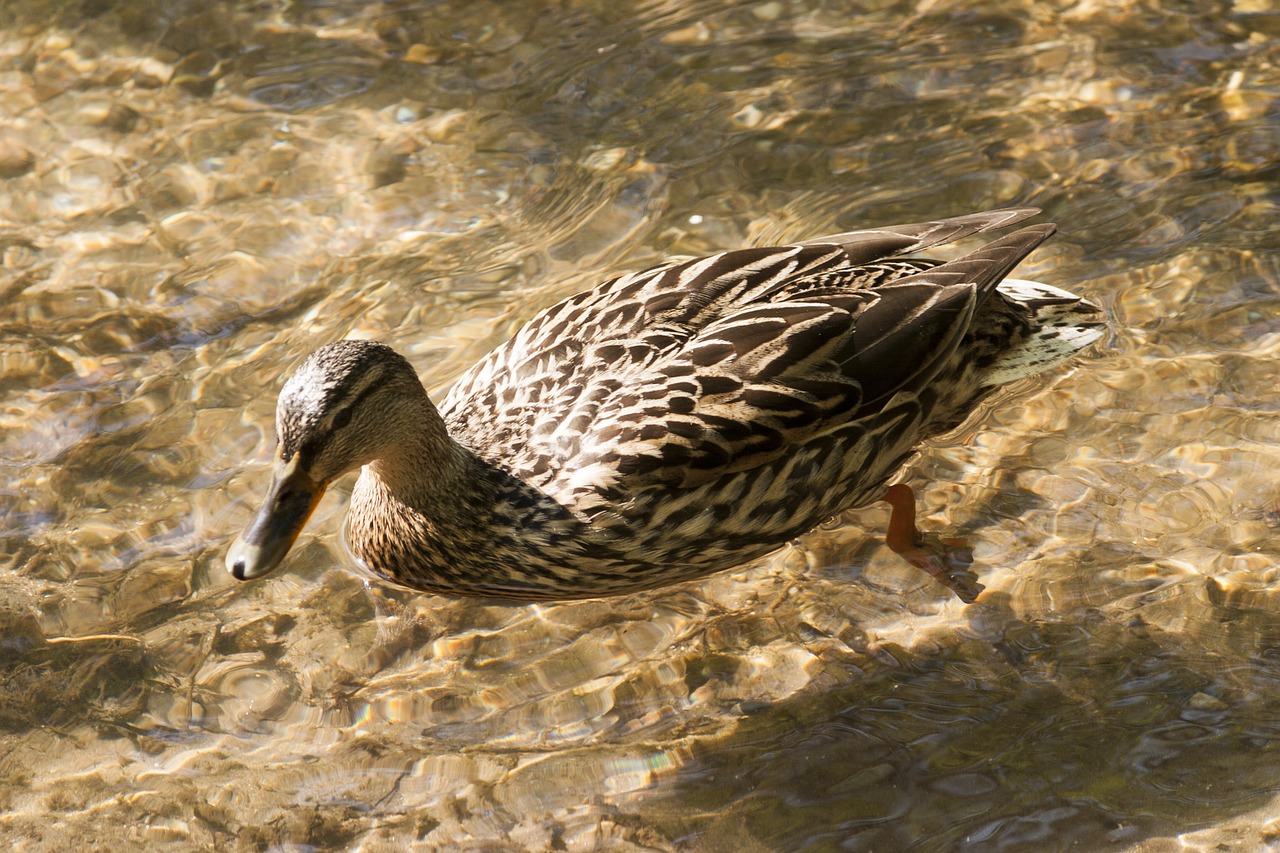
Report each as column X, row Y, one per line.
column 686, row 376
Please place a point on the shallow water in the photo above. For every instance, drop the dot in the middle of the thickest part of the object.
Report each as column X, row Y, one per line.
column 197, row 194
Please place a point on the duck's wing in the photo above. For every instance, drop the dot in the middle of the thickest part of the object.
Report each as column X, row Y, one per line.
column 695, row 291
column 527, row 404
column 520, row 405
column 760, row 381
column 870, row 244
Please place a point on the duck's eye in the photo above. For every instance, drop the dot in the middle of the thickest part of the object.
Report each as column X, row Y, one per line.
column 342, row 419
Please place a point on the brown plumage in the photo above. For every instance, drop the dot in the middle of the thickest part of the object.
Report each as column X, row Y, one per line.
column 668, row 423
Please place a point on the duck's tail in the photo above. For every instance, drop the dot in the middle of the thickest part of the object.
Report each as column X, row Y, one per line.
column 1061, row 324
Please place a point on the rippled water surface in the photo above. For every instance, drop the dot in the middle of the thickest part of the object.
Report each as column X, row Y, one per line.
column 196, row 194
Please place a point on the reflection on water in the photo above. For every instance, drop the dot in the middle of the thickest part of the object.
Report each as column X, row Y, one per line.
column 196, row 195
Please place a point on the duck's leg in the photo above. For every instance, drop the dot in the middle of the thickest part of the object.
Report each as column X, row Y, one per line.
column 947, row 560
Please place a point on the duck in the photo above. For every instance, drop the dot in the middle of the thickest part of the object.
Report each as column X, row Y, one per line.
column 674, row 422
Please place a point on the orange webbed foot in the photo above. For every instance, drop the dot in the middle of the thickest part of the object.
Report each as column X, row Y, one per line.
column 949, row 561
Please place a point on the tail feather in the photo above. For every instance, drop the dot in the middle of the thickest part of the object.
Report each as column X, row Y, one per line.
column 1062, row 324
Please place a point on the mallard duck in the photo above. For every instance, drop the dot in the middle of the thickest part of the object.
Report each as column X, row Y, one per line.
column 669, row 423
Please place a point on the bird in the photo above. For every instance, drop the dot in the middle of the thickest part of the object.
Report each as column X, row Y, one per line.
column 670, row 423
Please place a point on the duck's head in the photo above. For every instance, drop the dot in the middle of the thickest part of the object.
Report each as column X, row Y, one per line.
column 347, row 404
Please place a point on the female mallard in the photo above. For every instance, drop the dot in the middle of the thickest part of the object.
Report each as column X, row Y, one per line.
column 669, row 423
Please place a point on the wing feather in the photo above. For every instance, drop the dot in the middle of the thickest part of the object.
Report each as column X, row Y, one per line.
column 690, row 371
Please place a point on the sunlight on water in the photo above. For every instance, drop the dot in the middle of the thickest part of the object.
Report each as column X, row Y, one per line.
column 196, row 195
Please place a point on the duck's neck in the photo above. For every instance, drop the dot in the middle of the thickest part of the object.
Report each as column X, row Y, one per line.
column 433, row 515
column 425, row 468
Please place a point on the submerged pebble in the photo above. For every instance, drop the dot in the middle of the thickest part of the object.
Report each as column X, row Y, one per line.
column 15, row 160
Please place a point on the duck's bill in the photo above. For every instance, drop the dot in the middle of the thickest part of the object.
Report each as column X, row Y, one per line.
column 265, row 542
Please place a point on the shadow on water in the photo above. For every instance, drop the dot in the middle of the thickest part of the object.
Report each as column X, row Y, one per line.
column 1098, row 732
column 195, row 195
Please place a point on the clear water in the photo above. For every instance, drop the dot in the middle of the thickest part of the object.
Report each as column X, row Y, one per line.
column 197, row 194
